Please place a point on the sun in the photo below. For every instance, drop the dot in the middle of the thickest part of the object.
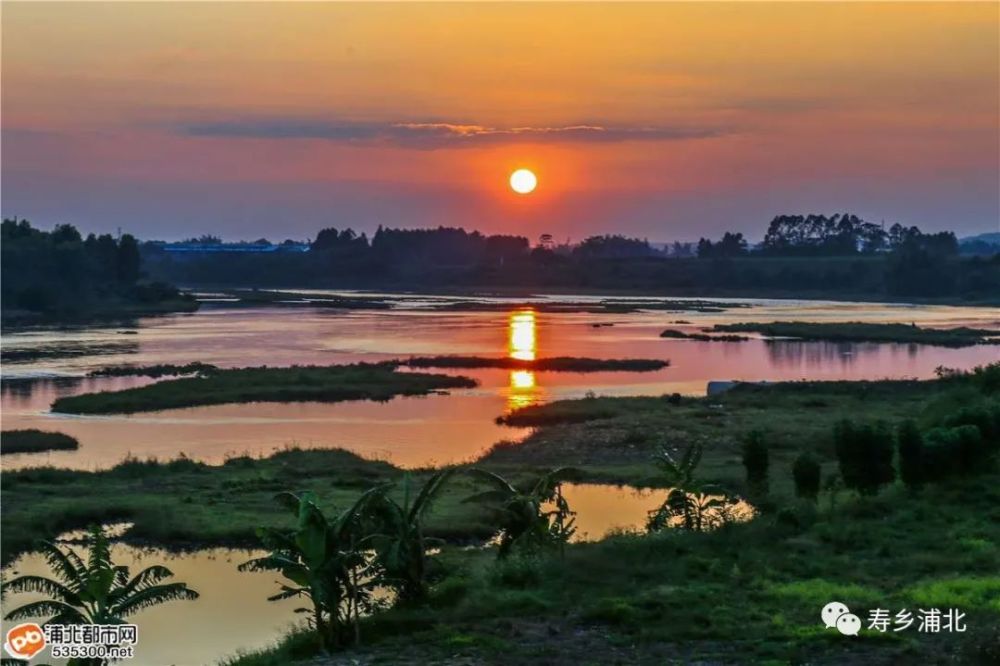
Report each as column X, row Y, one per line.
column 523, row 181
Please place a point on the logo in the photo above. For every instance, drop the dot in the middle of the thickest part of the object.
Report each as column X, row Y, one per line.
column 839, row 616
column 25, row 641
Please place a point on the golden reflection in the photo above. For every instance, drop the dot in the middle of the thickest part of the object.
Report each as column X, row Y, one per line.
column 522, row 344
column 522, row 341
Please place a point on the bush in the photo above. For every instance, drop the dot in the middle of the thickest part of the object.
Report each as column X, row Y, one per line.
column 940, row 454
column 910, row 444
column 984, row 417
column 865, row 456
column 755, row 459
column 972, row 451
column 806, row 472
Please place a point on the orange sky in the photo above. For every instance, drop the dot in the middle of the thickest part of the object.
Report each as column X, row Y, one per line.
column 667, row 121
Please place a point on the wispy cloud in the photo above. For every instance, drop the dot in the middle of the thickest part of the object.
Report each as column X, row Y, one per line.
column 429, row 135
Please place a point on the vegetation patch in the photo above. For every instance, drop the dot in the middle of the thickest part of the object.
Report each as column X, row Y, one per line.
column 35, row 441
column 335, row 383
column 553, row 364
column 159, row 370
column 701, row 337
column 866, row 332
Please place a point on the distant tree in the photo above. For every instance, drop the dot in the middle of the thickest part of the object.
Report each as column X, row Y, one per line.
column 806, row 473
column 128, row 259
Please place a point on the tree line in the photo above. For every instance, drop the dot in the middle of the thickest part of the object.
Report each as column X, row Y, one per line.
column 60, row 270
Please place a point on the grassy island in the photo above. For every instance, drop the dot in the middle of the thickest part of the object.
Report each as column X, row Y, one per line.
column 866, row 332
column 35, row 441
column 335, row 383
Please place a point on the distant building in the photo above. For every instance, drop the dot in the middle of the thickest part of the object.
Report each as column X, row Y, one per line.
column 189, row 248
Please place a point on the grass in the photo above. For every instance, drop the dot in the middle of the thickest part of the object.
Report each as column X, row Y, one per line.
column 183, row 503
column 866, row 332
column 158, row 370
column 554, row 364
column 701, row 337
column 35, row 441
column 336, row 383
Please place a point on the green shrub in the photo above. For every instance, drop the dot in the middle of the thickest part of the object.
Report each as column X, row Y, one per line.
column 910, row 444
column 755, row 460
column 865, row 455
column 985, row 417
column 972, row 451
column 806, row 472
column 940, row 454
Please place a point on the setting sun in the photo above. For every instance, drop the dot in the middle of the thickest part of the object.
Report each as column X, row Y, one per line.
column 523, row 181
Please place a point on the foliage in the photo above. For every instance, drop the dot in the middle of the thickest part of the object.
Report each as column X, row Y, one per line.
column 689, row 505
column 62, row 273
column 521, row 513
column 806, row 471
column 910, row 444
column 755, row 460
column 325, row 562
column 865, row 454
column 400, row 544
column 95, row 591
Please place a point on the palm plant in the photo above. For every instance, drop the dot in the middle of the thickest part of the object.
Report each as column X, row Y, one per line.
column 522, row 516
column 689, row 505
column 325, row 562
column 93, row 592
column 400, row 544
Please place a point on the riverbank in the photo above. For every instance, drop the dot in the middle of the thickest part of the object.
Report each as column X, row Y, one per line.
column 856, row 331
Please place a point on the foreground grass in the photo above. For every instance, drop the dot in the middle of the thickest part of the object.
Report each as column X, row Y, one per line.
column 186, row 504
column 35, row 441
column 336, row 383
column 554, row 364
column 865, row 332
column 748, row 593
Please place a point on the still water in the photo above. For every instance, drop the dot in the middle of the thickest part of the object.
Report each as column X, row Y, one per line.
column 41, row 364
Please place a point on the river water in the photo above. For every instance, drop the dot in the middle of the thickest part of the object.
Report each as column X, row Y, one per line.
column 42, row 364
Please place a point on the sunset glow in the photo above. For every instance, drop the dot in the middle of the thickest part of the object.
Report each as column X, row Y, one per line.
column 642, row 112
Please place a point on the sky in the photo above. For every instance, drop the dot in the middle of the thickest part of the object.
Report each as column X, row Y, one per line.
column 666, row 121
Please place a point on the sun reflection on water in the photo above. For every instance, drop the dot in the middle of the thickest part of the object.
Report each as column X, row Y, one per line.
column 522, row 344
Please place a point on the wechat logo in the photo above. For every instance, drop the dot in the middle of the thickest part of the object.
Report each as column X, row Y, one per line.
column 836, row 615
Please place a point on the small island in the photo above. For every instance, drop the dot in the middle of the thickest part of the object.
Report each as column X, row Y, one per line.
column 35, row 441
column 857, row 331
column 335, row 383
column 552, row 364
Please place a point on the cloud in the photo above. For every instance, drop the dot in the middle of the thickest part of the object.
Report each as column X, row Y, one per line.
column 429, row 135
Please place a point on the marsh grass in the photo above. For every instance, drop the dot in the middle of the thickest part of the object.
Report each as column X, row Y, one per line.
column 856, row 331
column 335, row 383
column 35, row 441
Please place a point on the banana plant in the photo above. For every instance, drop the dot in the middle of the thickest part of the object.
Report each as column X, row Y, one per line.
column 521, row 514
column 689, row 505
column 93, row 592
column 325, row 562
column 400, row 544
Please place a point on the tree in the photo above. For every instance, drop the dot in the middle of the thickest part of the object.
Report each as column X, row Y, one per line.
column 128, row 259
column 910, row 444
column 93, row 592
column 755, row 460
column 400, row 544
column 521, row 514
column 806, row 473
column 865, row 455
column 325, row 562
